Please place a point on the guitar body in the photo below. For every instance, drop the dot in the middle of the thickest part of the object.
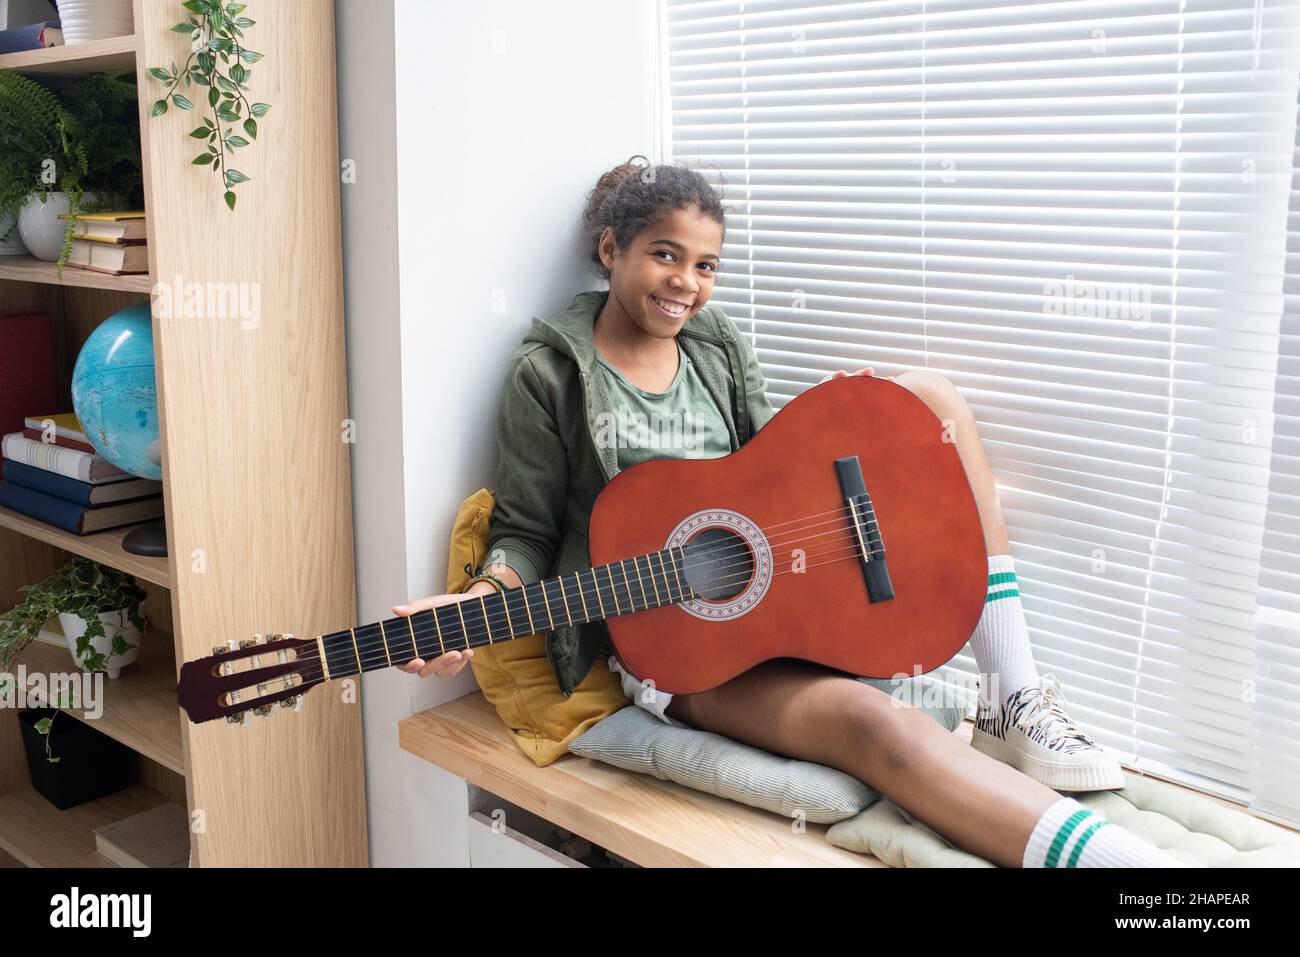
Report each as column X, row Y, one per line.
column 790, row 549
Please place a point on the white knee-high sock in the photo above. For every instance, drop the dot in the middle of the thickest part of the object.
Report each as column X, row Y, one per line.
column 1001, row 639
column 1071, row 835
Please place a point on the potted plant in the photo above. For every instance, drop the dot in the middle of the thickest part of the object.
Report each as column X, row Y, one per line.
column 71, row 762
column 74, row 152
column 98, row 607
column 86, row 20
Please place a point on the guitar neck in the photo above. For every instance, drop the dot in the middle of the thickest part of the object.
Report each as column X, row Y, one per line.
column 625, row 587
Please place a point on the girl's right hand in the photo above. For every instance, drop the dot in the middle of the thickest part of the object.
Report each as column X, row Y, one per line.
column 445, row 665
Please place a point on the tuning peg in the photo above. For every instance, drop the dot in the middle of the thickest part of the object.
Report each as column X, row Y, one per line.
column 294, row 702
column 219, row 649
column 242, row 717
column 247, row 642
column 263, row 711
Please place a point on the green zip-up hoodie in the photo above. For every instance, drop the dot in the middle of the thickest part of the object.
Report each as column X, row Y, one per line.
column 551, row 470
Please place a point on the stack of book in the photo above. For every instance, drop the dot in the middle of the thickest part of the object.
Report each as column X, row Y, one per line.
column 114, row 243
column 156, row 838
column 33, row 36
column 57, row 477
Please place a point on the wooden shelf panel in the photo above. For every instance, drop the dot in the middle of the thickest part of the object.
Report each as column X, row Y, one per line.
column 105, row 547
column 31, row 269
column 111, row 54
column 38, row 834
column 139, row 707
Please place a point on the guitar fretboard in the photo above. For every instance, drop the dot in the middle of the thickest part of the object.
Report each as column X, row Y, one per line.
column 632, row 585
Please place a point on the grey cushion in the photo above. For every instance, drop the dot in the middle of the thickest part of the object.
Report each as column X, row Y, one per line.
column 636, row 740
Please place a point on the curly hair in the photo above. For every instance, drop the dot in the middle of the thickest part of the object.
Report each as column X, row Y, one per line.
column 632, row 197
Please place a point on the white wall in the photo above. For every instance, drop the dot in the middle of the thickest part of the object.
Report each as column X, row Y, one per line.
column 477, row 131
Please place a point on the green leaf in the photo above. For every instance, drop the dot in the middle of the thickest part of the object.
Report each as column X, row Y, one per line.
column 248, row 56
column 43, row 726
column 159, row 108
column 260, row 109
column 213, row 96
column 203, row 159
column 226, row 84
column 182, row 28
column 250, row 127
column 237, row 73
column 228, row 116
column 244, row 23
column 158, row 73
column 205, row 61
column 182, row 102
column 194, row 6
column 236, row 141
column 235, row 9
column 230, row 200
column 200, row 132
column 235, row 176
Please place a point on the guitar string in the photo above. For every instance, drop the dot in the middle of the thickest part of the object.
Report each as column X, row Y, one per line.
column 430, row 629
column 504, row 619
column 475, row 632
column 483, row 627
column 310, row 673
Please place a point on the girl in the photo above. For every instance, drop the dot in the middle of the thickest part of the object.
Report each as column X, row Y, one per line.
column 656, row 234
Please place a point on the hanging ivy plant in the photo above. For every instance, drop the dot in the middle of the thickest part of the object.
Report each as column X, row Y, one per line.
column 219, row 61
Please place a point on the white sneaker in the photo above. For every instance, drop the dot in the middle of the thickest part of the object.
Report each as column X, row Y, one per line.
column 1032, row 733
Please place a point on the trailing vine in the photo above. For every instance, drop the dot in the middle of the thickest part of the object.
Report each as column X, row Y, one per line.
column 216, row 34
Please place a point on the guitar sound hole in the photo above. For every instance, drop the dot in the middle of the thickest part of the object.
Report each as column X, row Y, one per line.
column 718, row 564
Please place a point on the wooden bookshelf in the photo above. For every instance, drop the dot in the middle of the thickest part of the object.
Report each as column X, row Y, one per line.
column 31, row 269
column 115, row 53
column 105, row 547
column 253, row 545
column 139, row 706
column 38, row 834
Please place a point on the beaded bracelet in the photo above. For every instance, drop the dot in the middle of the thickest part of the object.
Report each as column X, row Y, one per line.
column 500, row 585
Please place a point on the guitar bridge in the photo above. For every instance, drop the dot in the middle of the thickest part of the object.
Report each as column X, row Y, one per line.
column 865, row 529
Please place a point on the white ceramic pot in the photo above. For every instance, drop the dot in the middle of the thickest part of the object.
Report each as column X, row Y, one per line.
column 13, row 246
column 114, row 622
column 40, row 226
column 84, row 20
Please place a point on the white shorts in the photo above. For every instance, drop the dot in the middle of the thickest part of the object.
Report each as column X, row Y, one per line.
column 649, row 698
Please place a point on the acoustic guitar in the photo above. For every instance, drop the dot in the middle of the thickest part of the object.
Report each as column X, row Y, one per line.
column 844, row 533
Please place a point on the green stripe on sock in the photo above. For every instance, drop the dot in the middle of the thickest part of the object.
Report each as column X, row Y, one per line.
column 1000, row 577
column 1063, row 835
column 995, row 595
column 1084, row 838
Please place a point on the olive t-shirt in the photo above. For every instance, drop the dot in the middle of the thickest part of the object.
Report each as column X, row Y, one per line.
column 682, row 422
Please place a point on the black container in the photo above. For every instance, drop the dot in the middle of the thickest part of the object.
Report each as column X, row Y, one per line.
column 92, row 764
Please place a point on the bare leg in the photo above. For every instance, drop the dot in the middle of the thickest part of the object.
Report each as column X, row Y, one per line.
column 948, row 404
column 805, row 711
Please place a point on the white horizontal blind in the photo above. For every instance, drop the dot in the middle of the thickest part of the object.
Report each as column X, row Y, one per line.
column 1275, row 787
column 1075, row 211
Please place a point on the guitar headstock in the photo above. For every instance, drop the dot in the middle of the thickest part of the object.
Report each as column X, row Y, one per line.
column 238, row 682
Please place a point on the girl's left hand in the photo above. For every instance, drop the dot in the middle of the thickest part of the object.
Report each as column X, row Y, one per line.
column 869, row 370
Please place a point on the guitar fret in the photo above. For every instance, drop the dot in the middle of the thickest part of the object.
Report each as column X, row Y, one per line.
column 383, row 635
column 568, row 613
column 532, row 629
column 438, row 628
column 510, row 625
column 628, row 582
column 680, row 588
column 613, row 589
column 486, row 623
column 547, row 602
column 583, row 598
column 415, row 649
column 663, row 572
column 653, row 584
column 355, row 650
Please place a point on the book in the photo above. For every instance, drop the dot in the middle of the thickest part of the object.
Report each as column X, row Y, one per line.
column 74, row 518
column 112, row 259
column 66, row 425
column 84, row 466
column 111, row 227
column 159, row 837
column 39, row 436
column 26, row 368
column 34, row 36
column 74, row 490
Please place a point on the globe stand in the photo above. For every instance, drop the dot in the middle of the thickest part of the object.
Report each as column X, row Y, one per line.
column 149, row 539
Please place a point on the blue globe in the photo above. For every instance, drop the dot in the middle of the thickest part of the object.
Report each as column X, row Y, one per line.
column 114, row 392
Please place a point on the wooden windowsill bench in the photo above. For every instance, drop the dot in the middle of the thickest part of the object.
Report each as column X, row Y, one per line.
column 650, row 822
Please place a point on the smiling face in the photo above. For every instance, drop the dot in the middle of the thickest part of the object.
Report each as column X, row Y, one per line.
column 666, row 274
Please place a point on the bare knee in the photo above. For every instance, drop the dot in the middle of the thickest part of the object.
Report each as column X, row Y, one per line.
column 935, row 390
column 878, row 728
